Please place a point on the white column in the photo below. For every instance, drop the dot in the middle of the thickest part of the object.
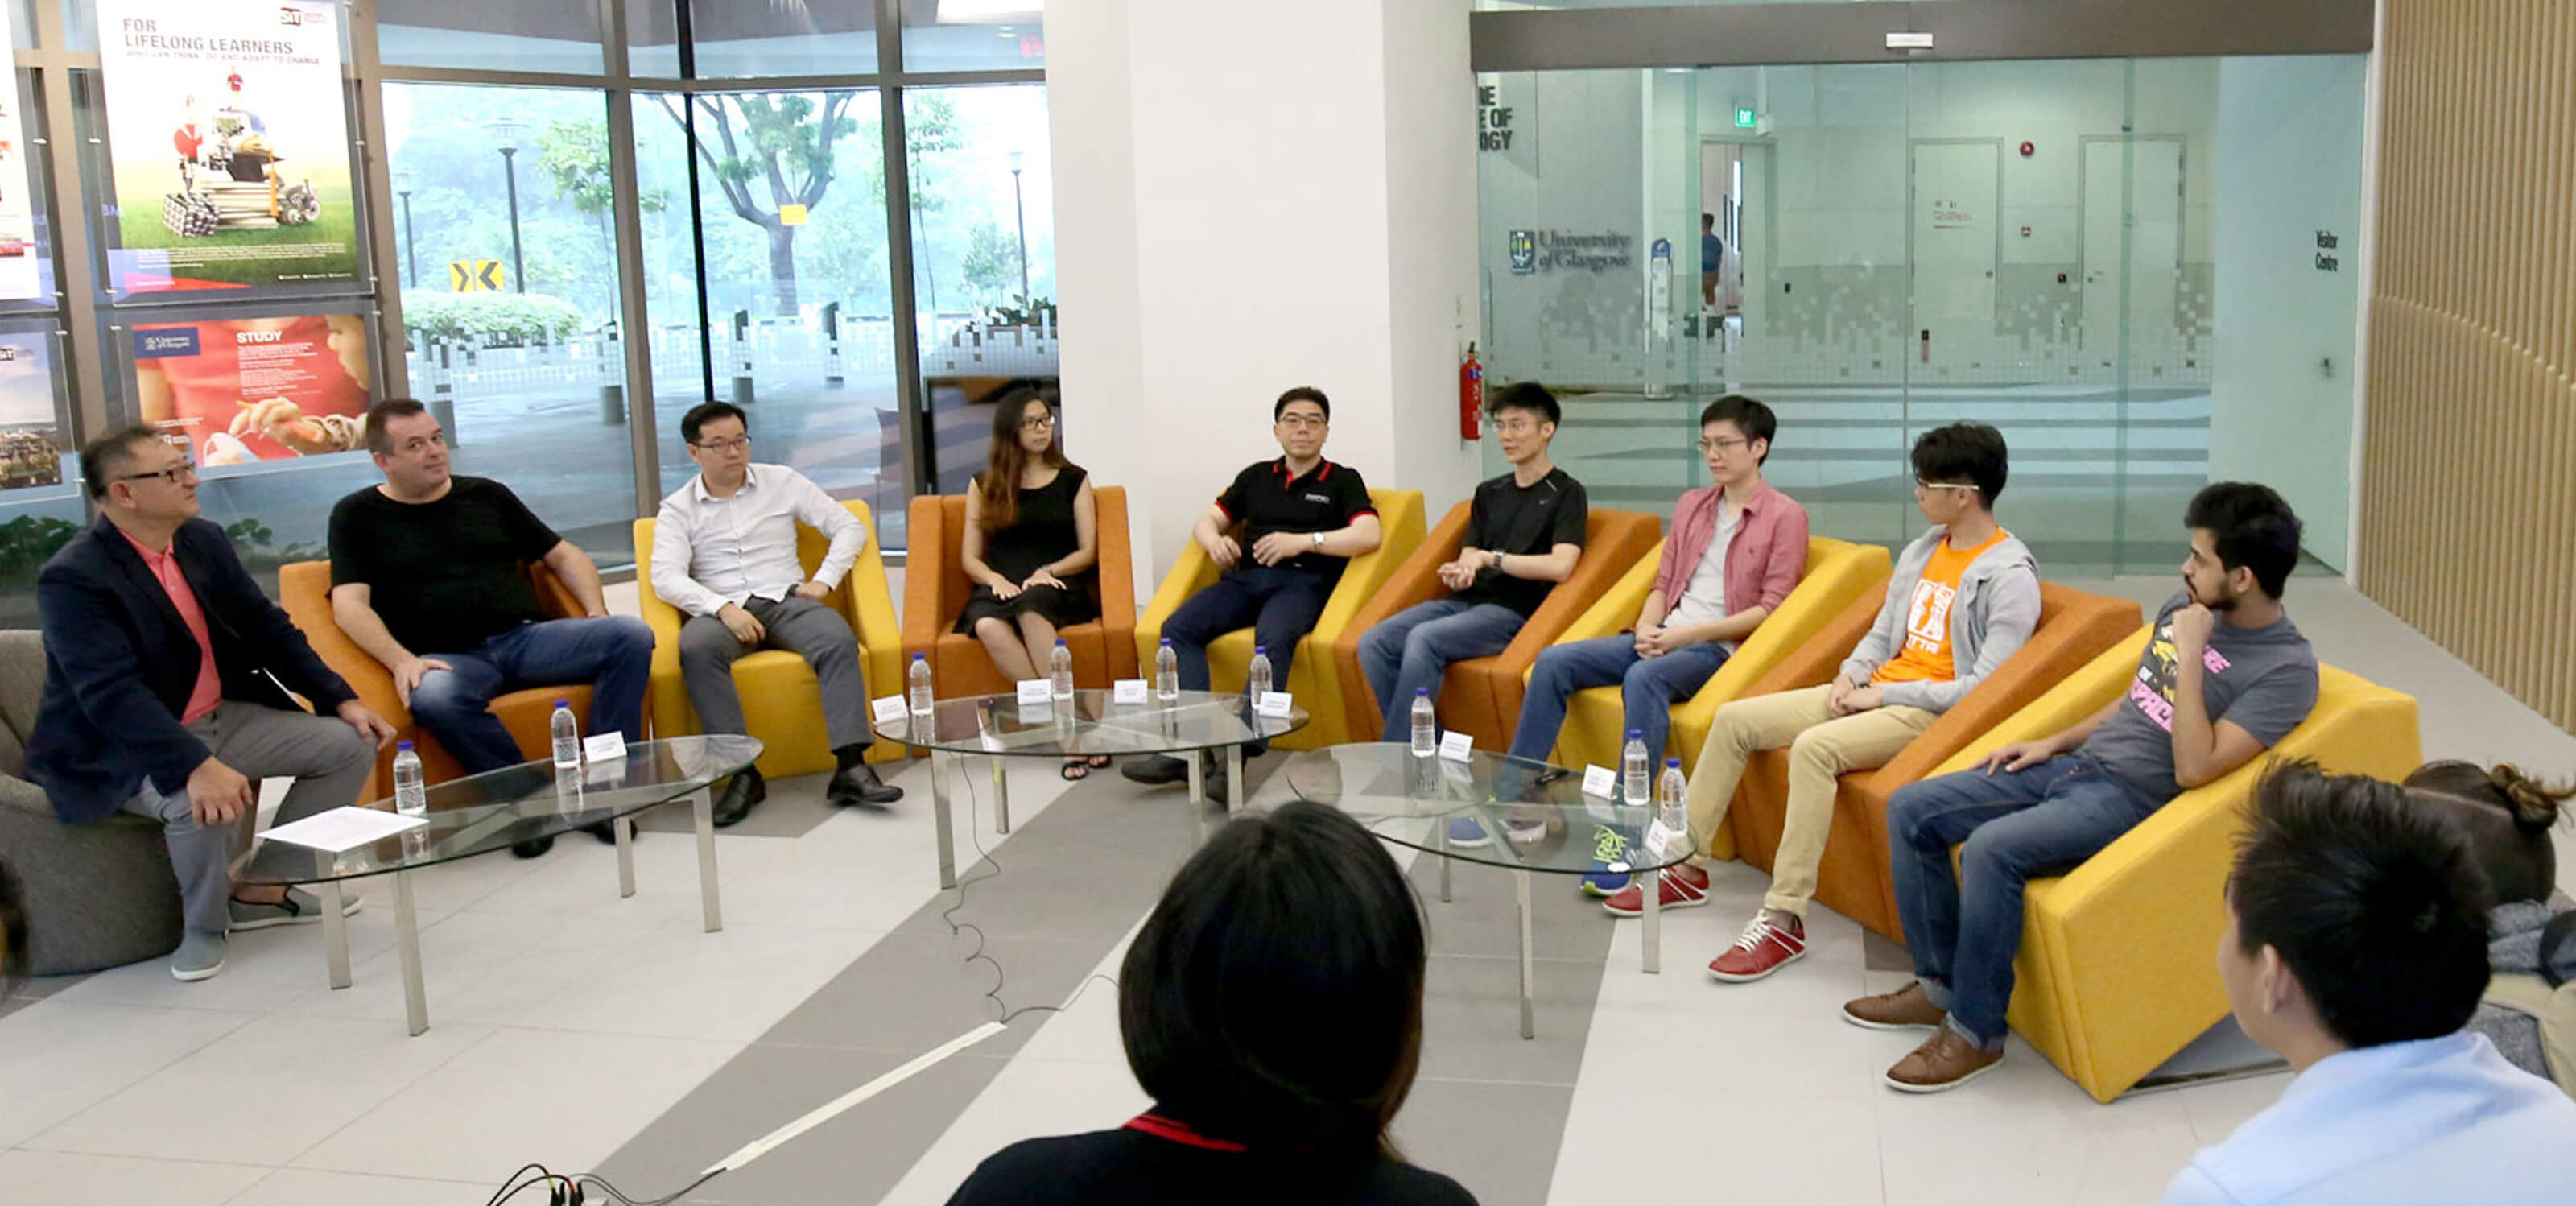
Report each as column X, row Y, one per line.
column 1253, row 195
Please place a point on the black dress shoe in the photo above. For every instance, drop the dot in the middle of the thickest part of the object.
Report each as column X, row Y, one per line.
column 606, row 832
column 1155, row 769
column 734, row 803
column 533, row 849
column 860, row 785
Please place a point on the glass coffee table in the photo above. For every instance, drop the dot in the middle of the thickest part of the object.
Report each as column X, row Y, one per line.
column 499, row 809
column 1411, row 801
column 1095, row 723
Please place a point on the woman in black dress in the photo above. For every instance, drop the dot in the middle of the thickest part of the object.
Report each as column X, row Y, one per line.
column 1032, row 537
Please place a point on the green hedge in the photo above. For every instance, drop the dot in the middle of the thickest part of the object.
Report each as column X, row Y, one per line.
column 495, row 319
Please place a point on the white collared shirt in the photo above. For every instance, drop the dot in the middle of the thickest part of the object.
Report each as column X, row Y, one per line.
column 710, row 551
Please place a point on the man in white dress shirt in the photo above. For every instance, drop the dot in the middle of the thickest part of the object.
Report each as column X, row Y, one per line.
column 724, row 552
column 2356, row 947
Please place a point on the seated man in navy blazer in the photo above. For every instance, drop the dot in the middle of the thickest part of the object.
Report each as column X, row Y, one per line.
column 166, row 672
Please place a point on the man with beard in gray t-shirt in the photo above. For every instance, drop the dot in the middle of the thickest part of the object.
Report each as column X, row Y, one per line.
column 2225, row 676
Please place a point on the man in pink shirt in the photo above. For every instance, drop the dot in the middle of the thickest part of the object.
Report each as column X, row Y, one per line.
column 166, row 679
column 1735, row 550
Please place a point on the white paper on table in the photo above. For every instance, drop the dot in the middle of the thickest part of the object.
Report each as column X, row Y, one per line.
column 1127, row 691
column 1036, row 691
column 1274, row 703
column 343, row 829
column 1599, row 781
column 1661, row 841
column 1456, row 745
column 888, row 709
column 604, row 747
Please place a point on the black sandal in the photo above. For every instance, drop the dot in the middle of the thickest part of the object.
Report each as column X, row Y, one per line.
column 1075, row 770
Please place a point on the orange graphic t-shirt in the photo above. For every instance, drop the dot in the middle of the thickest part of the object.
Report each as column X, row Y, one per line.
column 1926, row 655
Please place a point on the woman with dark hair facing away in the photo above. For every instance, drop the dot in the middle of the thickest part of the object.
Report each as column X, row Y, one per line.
column 1272, row 1008
column 2530, row 1008
column 1032, row 537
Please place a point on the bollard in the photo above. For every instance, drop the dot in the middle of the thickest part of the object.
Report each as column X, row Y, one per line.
column 612, row 405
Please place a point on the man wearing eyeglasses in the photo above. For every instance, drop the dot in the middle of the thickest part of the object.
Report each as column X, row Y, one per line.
column 1963, row 598
column 1735, row 551
column 166, row 680
column 1303, row 519
column 724, row 553
column 430, row 574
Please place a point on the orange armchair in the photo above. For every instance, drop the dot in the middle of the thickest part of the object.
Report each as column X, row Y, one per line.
column 1482, row 696
column 2074, row 627
column 935, row 591
column 304, row 590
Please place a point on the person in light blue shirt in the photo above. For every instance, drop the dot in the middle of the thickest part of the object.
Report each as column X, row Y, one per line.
column 2356, row 947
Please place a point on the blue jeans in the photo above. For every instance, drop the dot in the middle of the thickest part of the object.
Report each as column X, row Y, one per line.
column 613, row 654
column 1964, row 930
column 1281, row 605
column 1648, row 687
column 1412, row 649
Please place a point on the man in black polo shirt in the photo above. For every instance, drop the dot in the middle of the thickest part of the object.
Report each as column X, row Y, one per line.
column 1303, row 519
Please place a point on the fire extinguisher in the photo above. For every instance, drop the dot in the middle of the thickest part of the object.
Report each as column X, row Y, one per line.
column 1471, row 397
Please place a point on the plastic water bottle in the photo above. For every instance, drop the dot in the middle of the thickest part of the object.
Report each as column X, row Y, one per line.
column 1256, row 677
column 411, row 793
column 1670, row 812
column 567, row 735
column 919, row 694
column 1167, row 673
column 1426, row 730
column 1060, row 673
column 1633, row 766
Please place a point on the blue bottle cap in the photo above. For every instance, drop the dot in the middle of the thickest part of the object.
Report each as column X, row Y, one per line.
column 1261, row 650
column 1636, row 734
column 563, row 703
column 1422, row 692
column 403, row 747
column 1672, row 764
column 1167, row 642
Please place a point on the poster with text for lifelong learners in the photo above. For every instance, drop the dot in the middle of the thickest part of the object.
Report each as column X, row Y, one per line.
column 30, row 418
column 231, row 144
column 19, row 270
column 255, row 389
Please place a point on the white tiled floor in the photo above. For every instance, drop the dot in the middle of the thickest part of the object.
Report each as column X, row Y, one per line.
column 566, row 1019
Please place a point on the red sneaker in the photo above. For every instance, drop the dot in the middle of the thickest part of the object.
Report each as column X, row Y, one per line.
column 1685, row 887
column 1764, row 949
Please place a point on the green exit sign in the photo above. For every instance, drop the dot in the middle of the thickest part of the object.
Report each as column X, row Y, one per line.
column 1743, row 118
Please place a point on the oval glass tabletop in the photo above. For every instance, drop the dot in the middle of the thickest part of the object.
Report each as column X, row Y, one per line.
column 1094, row 724
column 1532, row 816
column 482, row 813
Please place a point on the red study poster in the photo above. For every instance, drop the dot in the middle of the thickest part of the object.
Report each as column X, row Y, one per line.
column 256, row 389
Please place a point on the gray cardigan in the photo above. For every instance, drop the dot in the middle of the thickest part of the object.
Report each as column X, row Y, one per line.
column 1997, row 607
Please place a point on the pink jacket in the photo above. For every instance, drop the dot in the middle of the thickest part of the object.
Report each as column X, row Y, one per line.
column 1763, row 562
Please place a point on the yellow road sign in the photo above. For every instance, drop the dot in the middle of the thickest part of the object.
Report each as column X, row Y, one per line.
column 474, row 276
column 791, row 215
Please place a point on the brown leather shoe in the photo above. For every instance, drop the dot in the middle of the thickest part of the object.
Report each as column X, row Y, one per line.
column 1905, row 1009
column 1945, row 1061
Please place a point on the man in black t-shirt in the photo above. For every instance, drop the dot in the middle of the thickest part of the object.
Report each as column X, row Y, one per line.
column 429, row 574
column 1524, row 534
column 1303, row 518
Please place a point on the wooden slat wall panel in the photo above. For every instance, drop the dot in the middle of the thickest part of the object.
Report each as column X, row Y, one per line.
column 2468, row 488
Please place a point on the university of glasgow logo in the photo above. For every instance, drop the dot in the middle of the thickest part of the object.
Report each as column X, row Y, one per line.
column 1524, row 249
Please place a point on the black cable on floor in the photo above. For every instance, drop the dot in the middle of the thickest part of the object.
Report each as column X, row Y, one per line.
column 948, row 917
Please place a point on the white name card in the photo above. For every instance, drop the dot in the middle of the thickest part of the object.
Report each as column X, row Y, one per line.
column 1035, row 691
column 1455, row 745
column 1127, row 691
column 604, row 747
column 888, row 709
column 1599, row 781
column 1273, row 703
column 1664, row 843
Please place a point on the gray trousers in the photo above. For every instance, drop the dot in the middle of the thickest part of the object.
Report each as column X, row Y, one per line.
column 328, row 760
column 801, row 626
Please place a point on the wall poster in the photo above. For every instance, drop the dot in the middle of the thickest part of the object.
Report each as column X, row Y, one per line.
column 30, row 418
column 19, row 270
column 255, row 389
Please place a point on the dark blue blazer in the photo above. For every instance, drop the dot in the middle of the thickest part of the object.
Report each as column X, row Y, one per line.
column 119, row 665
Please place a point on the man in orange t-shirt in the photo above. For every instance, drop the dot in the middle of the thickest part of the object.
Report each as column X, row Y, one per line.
column 1964, row 596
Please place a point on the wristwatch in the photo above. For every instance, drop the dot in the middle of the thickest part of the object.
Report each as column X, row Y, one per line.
column 1317, row 538
column 1495, row 560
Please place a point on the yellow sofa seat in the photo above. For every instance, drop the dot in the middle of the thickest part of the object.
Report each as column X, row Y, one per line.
column 782, row 705
column 1837, row 572
column 1310, row 674
column 2117, row 968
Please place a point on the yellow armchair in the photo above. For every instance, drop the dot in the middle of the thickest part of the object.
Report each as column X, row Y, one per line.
column 1837, row 572
column 781, row 703
column 2117, row 973
column 1310, row 674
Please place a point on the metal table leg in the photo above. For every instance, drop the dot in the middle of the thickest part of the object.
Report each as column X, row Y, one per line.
column 1198, row 778
column 1441, row 827
column 407, row 932
column 1651, row 936
column 939, row 815
column 625, row 831
column 703, row 805
column 1001, row 798
column 335, row 932
column 1233, row 777
column 1529, row 976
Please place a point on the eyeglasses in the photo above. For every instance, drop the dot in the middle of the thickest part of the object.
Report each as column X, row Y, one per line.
column 1921, row 484
column 1304, row 422
column 184, row 471
column 1515, row 426
column 736, row 444
column 1723, row 443
column 1037, row 422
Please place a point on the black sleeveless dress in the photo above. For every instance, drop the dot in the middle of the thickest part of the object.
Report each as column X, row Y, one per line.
column 1043, row 533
